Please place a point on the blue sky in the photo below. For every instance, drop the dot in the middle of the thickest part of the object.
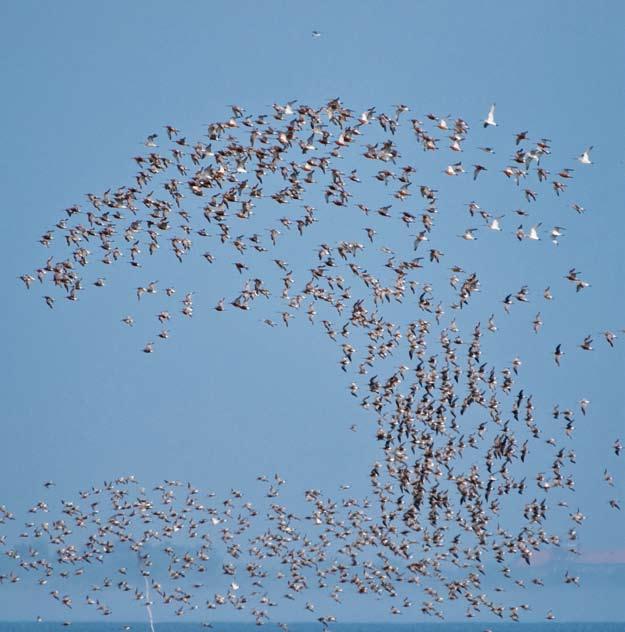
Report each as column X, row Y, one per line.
column 85, row 83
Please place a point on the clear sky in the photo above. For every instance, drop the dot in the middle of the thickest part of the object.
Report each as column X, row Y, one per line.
column 82, row 84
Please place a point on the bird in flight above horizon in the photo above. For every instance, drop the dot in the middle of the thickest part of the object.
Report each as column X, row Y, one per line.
column 490, row 119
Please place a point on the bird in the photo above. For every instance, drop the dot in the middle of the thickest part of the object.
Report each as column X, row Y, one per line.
column 586, row 344
column 495, row 223
column 477, row 169
column 533, row 234
column 584, row 157
column 468, row 234
column 558, row 353
column 490, row 117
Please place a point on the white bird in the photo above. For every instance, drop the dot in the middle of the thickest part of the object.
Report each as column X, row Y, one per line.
column 316, row 34
column 454, row 170
column 367, row 116
column 584, row 158
column 468, row 234
column 556, row 232
column 490, row 119
column 495, row 224
column 533, row 234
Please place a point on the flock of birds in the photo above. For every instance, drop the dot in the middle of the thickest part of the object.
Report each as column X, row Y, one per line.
column 468, row 479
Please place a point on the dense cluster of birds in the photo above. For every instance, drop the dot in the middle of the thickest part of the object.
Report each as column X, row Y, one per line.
column 468, row 478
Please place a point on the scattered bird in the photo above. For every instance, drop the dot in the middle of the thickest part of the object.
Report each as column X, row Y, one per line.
column 557, row 354
column 584, row 157
column 490, row 117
